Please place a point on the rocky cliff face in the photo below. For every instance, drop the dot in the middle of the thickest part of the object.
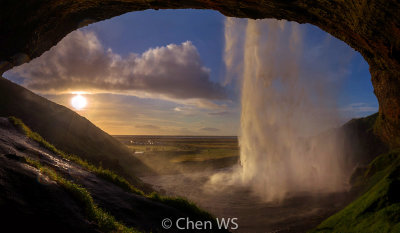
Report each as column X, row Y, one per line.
column 29, row 28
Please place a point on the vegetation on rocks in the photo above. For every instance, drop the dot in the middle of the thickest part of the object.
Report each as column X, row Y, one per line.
column 94, row 212
column 101, row 172
column 377, row 210
column 105, row 221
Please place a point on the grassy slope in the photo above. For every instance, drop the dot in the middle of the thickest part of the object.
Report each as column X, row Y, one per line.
column 104, row 220
column 68, row 131
column 99, row 171
column 378, row 208
column 361, row 142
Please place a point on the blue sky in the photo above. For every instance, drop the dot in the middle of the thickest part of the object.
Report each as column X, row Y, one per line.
column 120, row 112
column 139, row 31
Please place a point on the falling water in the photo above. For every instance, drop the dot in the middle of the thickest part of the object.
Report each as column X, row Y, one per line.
column 284, row 110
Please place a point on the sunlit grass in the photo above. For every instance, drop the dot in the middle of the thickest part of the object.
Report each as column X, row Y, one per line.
column 183, row 152
column 95, row 212
column 378, row 209
column 182, row 204
column 204, row 155
column 101, row 172
column 105, row 221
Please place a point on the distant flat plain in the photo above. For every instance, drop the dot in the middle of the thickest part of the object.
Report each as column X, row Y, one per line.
column 181, row 154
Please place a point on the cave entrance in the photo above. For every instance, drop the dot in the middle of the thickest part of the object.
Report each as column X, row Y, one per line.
column 169, row 85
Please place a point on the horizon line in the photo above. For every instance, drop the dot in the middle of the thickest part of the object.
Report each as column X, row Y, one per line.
column 173, row 135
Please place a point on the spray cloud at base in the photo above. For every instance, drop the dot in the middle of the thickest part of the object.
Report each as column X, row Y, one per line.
column 288, row 100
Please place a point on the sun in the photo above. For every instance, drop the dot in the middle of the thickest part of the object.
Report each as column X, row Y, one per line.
column 78, row 102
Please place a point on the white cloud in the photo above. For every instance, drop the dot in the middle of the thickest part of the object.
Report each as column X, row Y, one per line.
column 148, row 126
column 358, row 109
column 81, row 63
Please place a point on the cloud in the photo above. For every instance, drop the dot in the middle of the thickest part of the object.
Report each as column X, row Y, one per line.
column 81, row 63
column 221, row 113
column 209, row 129
column 359, row 108
column 147, row 127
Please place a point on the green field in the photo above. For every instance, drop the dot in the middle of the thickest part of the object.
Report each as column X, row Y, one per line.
column 172, row 154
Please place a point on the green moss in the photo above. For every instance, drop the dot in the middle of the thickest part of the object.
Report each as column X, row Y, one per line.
column 381, row 163
column 377, row 210
column 101, row 172
column 182, row 204
column 105, row 221
column 179, row 203
column 34, row 136
column 114, row 178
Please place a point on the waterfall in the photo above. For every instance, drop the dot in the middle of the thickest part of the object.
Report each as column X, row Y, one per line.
column 284, row 109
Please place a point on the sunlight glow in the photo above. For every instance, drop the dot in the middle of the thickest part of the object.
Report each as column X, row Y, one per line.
column 78, row 102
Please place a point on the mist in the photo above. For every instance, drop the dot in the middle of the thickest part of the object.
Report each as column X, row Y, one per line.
column 287, row 106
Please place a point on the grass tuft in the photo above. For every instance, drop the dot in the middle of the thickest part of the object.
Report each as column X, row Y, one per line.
column 101, row 172
column 82, row 194
column 105, row 221
column 181, row 204
column 377, row 210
